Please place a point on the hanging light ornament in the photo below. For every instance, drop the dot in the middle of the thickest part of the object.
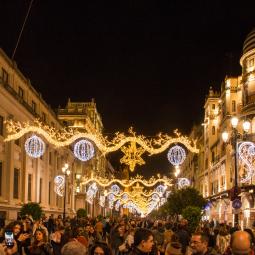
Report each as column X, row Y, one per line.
column 161, row 189
column 34, row 146
column 176, row 155
column 59, row 187
column 115, row 189
column 84, row 150
column 183, row 182
column 246, row 153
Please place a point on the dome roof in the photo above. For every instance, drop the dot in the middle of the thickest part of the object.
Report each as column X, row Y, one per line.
column 249, row 42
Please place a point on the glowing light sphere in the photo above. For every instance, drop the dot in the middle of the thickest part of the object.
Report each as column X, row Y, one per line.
column 117, row 205
column 161, row 189
column 183, row 182
column 155, row 197
column 176, row 155
column 115, row 189
column 125, row 197
column 84, row 150
column 59, row 187
column 34, row 146
column 111, row 197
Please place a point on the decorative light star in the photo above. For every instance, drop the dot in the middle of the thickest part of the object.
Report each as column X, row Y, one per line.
column 132, row 156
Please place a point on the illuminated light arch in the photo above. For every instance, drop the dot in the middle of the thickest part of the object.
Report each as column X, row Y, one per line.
column 65, row 137
column 103, row 182
column 131, row 195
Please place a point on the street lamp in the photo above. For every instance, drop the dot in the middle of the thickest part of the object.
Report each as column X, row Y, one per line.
column 66, row 171
column 234, row 142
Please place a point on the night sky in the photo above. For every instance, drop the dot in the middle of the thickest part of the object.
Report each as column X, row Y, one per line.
column 148, row 64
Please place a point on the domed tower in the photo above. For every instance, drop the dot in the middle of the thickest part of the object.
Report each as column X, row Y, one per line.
column 247, row 62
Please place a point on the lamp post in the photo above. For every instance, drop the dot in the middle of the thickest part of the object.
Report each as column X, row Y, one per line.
column 235, row 136
column 66, row 171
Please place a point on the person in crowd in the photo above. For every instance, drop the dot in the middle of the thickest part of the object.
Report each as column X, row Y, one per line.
column 73, row 248
column 143, row 242
column 41, row 246
column 252, row 238
column 223, row 239
column 100, row 248
column 21, row 237
column 117, row 239
column 240, row 243
column 173, row 247
column 183, row 235
column 58, row 239
column 199, row 245
column 99, row 226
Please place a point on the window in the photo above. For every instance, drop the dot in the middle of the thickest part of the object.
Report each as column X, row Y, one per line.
column 251, row 62
column 213, row 106
column 213, row 130
column 40, row 191
column 17, row 142
column 16, row 183
column 49, row 193
column 29, row 187
column 33, row 106
column 1, row 125
column 21, row 92
column 43, row 117
column 213, row 156
column 233, row 106
column 50, row 157
column 1, row 174
column 5, row 76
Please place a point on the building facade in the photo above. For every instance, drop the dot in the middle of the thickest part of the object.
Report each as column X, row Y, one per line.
column 215, row 175
column 24, row 179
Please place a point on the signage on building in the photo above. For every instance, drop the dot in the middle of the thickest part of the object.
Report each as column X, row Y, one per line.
column 237, row 204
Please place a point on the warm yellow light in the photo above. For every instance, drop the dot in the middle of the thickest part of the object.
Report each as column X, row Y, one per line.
column 104, row 182
column 78, row 176
column 66, row 165
column 65, row 137
column 68, row 172
column 234, row 122
column 246, row 126
column 224, row 136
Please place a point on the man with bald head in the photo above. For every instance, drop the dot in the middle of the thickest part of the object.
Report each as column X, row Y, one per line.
column 240, row 243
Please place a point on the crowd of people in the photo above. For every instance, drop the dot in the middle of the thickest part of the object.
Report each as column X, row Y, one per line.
column 122, row 236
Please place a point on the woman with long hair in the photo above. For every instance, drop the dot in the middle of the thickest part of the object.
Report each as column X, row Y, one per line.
column 40, row 246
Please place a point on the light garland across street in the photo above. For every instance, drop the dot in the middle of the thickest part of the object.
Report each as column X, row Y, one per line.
column 67, row 136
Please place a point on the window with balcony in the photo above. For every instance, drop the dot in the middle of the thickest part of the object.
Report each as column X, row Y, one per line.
column 40, row 191
column 29, row 187
column 21, row 93
column 213, row 130
column 233, row 106
column 43, row 117
column 1, row 175
column 33, row 106
column 1, row 125
column 16, row 183
column 49, row 198
column 251, row 62
column 5, row 76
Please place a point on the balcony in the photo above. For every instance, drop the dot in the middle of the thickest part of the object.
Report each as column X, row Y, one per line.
column 19, row 99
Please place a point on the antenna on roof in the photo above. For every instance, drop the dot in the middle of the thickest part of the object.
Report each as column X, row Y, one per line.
column 22, row 28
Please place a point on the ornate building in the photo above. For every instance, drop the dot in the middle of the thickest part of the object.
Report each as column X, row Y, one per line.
column 24, row 179
column 215, row 174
